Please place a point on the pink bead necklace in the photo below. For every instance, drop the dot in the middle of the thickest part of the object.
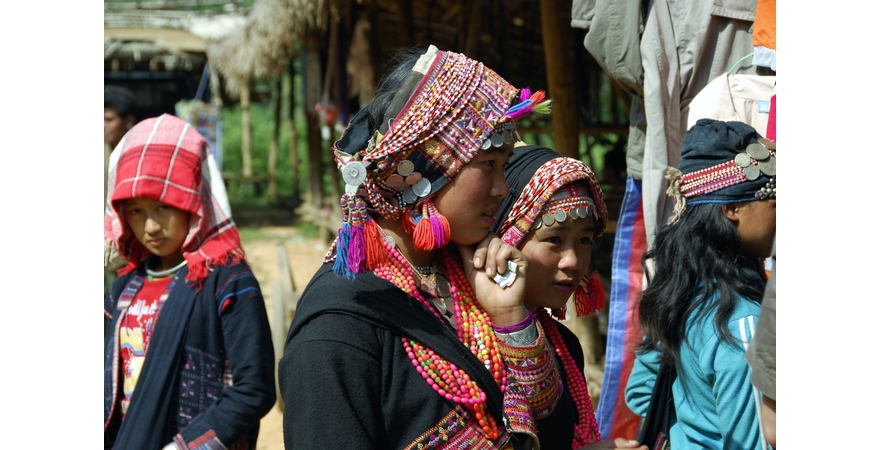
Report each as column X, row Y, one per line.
column 586, row 430
column 474, row 330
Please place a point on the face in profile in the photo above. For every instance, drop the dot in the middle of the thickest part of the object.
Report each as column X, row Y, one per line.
column 559, row 256
column 115, row 126
column 470, row 201
column 757, row 226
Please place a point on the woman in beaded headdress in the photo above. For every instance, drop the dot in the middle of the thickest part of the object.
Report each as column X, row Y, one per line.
column 705, row 287
column 390, row 347
column 554, row 214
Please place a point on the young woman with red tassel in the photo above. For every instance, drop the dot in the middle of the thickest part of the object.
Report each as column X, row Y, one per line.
column 553, row 214
column 403, row 340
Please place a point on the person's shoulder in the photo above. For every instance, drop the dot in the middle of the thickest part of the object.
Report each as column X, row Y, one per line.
column 745, row 308
column 325, row 282
column 234, row 269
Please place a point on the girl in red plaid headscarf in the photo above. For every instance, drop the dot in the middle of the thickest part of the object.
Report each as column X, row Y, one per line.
column 204, row 374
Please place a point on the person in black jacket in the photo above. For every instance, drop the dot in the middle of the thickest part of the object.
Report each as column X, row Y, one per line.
column 402, row 339
column 188, row 362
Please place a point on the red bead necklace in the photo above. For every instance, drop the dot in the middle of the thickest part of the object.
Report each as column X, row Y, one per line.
column 586, row 430
column 474, row 330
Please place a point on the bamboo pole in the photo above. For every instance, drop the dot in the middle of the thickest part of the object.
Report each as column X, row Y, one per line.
column 406, row 20
column 312, row 88
column 247, row 171
column 556, row 31
column 472, row 46
column 273, row 145
column 291, row 114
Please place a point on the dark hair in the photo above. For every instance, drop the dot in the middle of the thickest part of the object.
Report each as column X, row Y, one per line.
column 699, row 263
column 120, row 99
column 403, row 62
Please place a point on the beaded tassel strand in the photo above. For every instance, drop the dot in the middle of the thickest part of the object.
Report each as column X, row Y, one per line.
column 586, row 430
column 474, row 330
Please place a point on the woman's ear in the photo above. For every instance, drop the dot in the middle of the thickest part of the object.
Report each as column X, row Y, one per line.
column 731, row 211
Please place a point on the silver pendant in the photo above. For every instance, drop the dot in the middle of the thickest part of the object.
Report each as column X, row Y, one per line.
column 768, row 166
column 443, row 288
column 497, row 140
column 752, row 172
column 422, row 188
column 743, row 159
column 758, row 151
column 405, row 167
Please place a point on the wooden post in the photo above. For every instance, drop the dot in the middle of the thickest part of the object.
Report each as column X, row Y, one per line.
column 312, row 87
column 406, row 21
column 246, row 170
column 556, row 31
column 273, row 145
column 291, row 113
column 472, row 45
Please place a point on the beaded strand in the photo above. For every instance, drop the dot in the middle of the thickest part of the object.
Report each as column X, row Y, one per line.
column 444, row 377
column 586, row 430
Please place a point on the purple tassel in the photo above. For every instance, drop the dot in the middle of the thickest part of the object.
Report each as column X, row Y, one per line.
column 356, row 253
column 520, row 111
column 437, row 230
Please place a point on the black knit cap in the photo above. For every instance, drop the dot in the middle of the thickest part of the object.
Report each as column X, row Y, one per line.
column 524, row 162
column 712, row 142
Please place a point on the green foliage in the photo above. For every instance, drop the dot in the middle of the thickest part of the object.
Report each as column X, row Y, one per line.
column 262, row 124
column 252, row 234
column 307, row 230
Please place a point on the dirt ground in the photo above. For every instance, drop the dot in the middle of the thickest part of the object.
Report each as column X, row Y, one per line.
column 304, row 257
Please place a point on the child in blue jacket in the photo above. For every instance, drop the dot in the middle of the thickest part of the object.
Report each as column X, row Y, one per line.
column 702, row 301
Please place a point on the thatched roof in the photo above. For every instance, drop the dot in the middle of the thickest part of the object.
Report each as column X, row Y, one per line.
column 504, row 34
column 179, row 38
column 263, row 43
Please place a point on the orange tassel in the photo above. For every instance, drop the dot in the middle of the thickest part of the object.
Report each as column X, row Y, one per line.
column 589, row 298
column 409, row 227
column 423, row 237
column 373, row 242
column 538, row 97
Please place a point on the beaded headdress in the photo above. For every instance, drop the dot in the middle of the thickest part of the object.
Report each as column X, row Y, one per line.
column 449, row 108
column 547, row 188
column 164, row 158
column 722, row 162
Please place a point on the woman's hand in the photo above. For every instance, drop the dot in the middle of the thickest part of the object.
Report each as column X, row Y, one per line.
column 504, row 306
column 615, row 444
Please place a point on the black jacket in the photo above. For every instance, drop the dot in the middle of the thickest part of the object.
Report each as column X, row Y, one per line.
column 347, row 381
column 209, row 374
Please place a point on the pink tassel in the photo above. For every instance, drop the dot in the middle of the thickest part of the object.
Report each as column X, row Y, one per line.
column 440, row 227
column 527, row 104
column 356, row 251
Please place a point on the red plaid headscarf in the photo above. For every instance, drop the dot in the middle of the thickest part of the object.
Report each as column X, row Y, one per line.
column 164, row 158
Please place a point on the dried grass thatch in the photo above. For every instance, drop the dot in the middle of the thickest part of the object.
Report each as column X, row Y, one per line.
column 261, row 45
